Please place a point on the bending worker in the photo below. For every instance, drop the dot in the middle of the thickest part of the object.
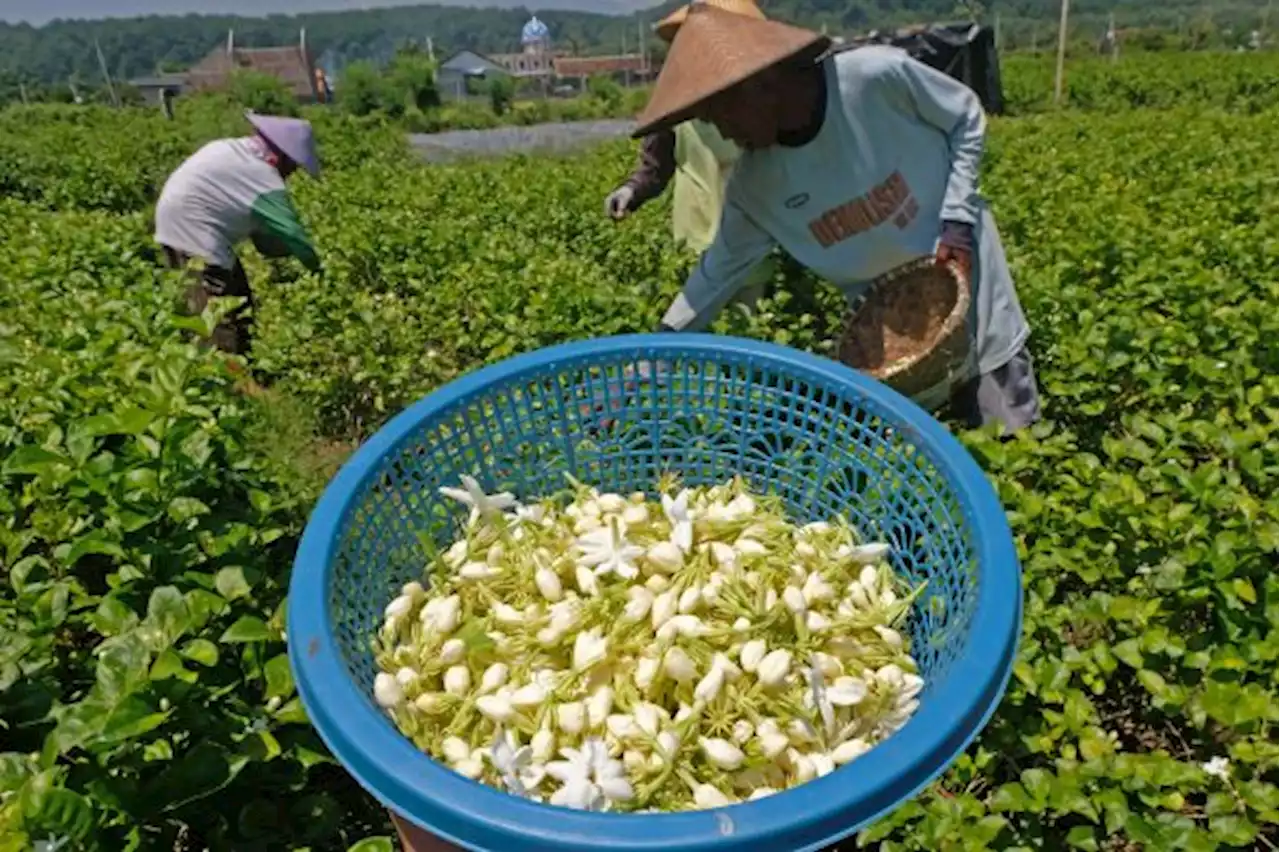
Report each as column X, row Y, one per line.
column 855, row 162
column 699, row 159
column 229, row 190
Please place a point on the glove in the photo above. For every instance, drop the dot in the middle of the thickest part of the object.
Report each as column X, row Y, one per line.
column 618, row 205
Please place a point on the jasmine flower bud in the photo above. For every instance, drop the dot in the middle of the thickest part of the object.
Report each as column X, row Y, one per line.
column 721, row 753
column 386, row 691
column 678, row 666
column 774, row 668
column 548, row 584
column 457, row 680
column 752, row 653
column 452, row 651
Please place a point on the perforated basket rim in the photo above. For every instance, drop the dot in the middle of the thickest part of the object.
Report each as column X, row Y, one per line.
column 811, row 816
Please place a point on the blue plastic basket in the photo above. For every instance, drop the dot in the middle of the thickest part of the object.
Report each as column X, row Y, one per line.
column 827, row 440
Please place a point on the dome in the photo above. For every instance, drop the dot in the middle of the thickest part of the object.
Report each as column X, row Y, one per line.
column 534, row 31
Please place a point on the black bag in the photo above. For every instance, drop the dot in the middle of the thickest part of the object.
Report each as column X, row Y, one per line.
column 965, row 51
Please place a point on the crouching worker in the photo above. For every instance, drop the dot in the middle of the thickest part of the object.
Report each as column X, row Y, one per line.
column 230, row 190
column 855, row 162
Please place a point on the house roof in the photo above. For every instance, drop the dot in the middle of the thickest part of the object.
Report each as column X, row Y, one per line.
column 585, row 66
column 160, row 81
column 470, row 62
column 292, row 65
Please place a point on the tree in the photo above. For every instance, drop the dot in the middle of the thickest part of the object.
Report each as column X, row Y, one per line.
column 412, row 74
column 605, row 89
column 261, row 92
column 361, row 89
column 502, row 90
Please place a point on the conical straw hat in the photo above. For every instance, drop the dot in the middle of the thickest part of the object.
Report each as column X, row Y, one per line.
column 668, row 26
column 713, row 51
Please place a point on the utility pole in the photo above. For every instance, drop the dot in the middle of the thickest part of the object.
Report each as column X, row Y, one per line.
column 22, row 90
column 1062, row 53
column 106, row 75
column 997, row 32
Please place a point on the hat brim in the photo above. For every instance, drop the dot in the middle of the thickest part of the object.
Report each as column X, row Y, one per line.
column 714, row 51
column 302, row 157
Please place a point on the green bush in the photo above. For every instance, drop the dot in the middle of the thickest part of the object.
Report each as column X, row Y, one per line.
column 261, row 93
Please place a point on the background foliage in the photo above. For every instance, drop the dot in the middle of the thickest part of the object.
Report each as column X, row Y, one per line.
column 148, row 510
column 53, row 53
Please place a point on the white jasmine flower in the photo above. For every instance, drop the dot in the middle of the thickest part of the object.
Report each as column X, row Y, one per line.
column 482, row 505
column 678, row 666
column 507, row 614
column 457, row 680
column 677, row 512
column 869, row 554
column 639, row 599
column 646, row 671
column 515, row 763
column 635, row 515
column 543, row 745
column 571, row 717
column 774, row 668
column 529, row 695
column 441, row 615
column 598, row 706
column 608, row 551
column 681, row 625
column 891, row 637
column 590, row 778
column 398, row 608
column 850, row 750
column 387, row 691
column 586, row 580
column 452, row 651
column 493, row 677
column 794, row 599
column 663, row 608
column 706, row 796
column 869, row 577
column 752, row 653
column 708, row 689
column 477, row 571
column 588, row 649
column 455, row 750
column 548, row 584
column 689, row 599
column 722, row 753
column 495, row 707
column 846, row 692
column 665, row 556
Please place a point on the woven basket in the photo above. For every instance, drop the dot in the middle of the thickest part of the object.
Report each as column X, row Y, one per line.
column 910, row 329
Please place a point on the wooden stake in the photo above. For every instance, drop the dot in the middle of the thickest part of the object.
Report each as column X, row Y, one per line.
column 106, row 75
column 1062, row 53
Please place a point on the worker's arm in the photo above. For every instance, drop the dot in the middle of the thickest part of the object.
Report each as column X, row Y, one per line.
column 954, row 109
column 278, row 231
column 722, row 270
column 654, row 168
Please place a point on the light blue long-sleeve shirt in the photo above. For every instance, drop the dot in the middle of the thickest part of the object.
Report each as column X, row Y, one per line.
column 897, row 154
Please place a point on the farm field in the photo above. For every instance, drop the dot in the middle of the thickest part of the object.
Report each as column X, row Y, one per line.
column 149, row 510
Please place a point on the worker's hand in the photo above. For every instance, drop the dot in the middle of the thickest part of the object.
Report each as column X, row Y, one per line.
column 955, row 245
column 618, row 205
column 947, row 255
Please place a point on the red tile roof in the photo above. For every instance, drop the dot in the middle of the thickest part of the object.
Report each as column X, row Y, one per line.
column 291, row 65
column 585, row 66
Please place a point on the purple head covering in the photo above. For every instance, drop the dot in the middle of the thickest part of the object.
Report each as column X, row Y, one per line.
column 292, row 136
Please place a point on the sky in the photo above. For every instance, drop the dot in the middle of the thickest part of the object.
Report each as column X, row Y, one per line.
column 42, row 11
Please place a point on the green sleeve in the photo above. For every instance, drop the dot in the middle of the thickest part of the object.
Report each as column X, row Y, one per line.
column 279, row 231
